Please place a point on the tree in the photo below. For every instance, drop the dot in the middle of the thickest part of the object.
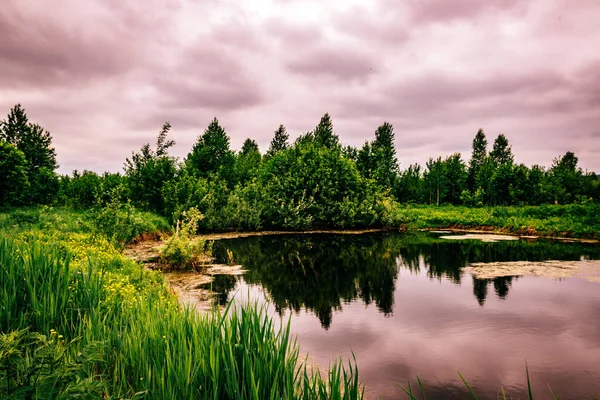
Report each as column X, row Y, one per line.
column 477, row 158
column 211, row 154
column 408, row 186
column 247, row 162
column 566, row 178
column 502, row 153
column 323, row 133
column 149, row 170
column 13, row 174
column 384, row 155
column 435, row 180
column 364, row 160
column 36, row 145
column 456, row 178
column 279, row 142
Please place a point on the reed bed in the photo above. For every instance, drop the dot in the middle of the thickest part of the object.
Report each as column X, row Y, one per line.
column 139, row 343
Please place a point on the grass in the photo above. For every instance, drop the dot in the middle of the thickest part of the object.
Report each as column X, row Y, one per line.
column 413, row 394
column 77, row 318
column 574, row 220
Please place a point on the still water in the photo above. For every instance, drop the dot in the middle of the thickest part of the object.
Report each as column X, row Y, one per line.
column 405, row 306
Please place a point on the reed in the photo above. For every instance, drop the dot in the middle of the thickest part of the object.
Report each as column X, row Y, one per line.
column 148, row 346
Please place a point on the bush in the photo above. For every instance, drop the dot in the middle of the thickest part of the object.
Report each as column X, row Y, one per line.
column 182, row 251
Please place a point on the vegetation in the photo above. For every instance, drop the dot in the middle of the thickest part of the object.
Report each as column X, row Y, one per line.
column 74, row 309
column 314, row 182
column 181, row 250
column 78, row 319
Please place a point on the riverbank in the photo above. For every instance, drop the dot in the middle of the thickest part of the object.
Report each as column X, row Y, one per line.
column 555, row 221
column 113, row 329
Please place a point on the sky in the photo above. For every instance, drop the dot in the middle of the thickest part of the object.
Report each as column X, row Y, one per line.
column 102, row 76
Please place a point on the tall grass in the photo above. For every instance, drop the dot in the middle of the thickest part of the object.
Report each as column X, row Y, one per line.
column 420, row 394
column 148, row 347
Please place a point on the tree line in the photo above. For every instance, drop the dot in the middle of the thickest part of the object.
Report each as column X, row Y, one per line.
column 313, row 181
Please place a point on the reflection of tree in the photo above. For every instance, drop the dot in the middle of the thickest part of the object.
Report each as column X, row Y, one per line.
column 501, row 286
column 320, row 272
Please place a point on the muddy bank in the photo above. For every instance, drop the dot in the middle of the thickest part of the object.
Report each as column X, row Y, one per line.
column 589, row 269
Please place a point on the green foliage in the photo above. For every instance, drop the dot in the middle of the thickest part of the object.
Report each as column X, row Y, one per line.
column 181, row 250
column 122, row 222
column 33, row 365
column 247, row 163
column 477, row 158
column 148, row 171
column 324, row 135
column 279, row 142
column 385, row 163
column 40, row 157
column 13, row 175
column 501, row 153
column 211, row 154
column 86, row 326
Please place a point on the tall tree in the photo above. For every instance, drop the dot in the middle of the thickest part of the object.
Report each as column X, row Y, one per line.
column 211, row 153
column 247, row 161
column 13, row 174
column 502, row 152
column 148, row 171
column 384, row 154
column 435, row 180
column 36, row 145
column 323, row 133
column 566, row 178
column 456, row 178
column 364, row 160
column 478, row 155
column 279, row 142
column 249, row 146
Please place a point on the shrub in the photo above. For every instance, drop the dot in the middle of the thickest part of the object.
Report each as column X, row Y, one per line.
column 182, row 251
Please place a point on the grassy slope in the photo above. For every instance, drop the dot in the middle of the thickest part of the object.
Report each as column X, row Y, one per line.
column 580, row 221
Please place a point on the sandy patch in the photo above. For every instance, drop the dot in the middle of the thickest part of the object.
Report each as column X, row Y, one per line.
column 483, row 237
column 589, row 270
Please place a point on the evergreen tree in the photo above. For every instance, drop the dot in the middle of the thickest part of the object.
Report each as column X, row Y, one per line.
column 364, row 161
column 502, row 153
column 211, row 154
column 247, row 161
column 323, row 133
column 279, row 142
column 249, row 146
column 36, row 145
column 477, row 158
column 384, row 155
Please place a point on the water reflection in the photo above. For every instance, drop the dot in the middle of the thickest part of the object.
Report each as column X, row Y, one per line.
column 320, row 273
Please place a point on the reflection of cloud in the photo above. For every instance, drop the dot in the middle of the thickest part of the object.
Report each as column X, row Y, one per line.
column 437, row 330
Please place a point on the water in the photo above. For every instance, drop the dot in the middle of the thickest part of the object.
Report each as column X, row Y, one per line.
column 405, row 307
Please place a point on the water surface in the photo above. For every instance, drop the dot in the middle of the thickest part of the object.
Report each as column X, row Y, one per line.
column 403, row 304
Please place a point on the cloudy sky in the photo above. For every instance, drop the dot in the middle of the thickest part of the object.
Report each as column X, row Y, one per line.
column 103, row 75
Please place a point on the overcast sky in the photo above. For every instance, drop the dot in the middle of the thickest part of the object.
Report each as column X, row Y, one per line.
column 103, row 75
